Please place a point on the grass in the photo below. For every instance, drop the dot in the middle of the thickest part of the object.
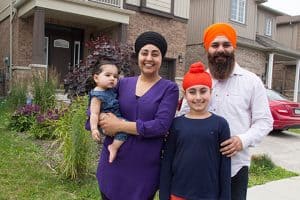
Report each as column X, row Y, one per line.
column 295, row 131
column 263, row 170
column 25, row 175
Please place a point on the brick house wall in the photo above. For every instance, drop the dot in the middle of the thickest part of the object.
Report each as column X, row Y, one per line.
column 252, row 60
column 22, row 41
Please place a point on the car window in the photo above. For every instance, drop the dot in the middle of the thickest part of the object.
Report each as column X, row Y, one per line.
column 272, row 95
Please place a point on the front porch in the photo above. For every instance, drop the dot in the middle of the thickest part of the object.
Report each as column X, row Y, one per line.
column 58, row 30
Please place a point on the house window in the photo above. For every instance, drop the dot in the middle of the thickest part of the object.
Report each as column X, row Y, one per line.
column 238, row 11
column 268, row 27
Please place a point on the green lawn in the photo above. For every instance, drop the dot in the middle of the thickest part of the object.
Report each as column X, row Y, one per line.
column 295, row 131
column 263, row 170
column 24, row 174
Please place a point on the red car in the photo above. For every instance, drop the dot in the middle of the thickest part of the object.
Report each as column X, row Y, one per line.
column 286, row 113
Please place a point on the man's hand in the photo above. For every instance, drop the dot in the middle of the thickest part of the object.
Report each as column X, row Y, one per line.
column 231, row 146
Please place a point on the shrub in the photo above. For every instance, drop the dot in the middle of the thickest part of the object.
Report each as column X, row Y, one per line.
column 45, row 124
column 24, row 117
column 75, row 141
column 102, row 48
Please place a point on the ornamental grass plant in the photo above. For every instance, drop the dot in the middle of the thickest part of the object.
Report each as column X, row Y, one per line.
column 76, row 144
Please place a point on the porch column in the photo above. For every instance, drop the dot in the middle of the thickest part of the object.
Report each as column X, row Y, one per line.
column 38, row 51
column 296, row 87
column 270, row 70
column 122, row 36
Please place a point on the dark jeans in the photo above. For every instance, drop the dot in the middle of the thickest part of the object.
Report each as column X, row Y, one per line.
column 239, row 184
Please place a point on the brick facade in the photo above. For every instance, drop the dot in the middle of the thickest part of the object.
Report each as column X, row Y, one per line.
column 22, row 41
column 252, row 60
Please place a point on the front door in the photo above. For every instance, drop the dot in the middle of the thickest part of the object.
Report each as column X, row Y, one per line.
column 63, row 49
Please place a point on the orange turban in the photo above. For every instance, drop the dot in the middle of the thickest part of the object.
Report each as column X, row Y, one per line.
column 219, row 29
column 196, row 76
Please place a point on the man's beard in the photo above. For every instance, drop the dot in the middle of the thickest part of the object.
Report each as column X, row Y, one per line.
column 221, row 67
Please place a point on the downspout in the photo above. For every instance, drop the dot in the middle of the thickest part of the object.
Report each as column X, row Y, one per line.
column 11, row 17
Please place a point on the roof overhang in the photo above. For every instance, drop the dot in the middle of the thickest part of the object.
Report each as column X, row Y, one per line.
column 75, row 10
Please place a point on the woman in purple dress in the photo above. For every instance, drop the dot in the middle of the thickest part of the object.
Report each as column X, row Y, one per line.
column 148, row 103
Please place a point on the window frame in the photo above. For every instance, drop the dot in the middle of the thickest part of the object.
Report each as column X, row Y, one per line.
column 268, row 26
column 238, row 11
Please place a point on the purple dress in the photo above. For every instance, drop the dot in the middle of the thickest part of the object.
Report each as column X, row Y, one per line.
column 134, row 174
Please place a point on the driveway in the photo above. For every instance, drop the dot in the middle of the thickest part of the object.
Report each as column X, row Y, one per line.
column 283, row 148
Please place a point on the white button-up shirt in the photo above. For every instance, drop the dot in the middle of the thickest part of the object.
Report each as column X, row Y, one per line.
column 242, row 101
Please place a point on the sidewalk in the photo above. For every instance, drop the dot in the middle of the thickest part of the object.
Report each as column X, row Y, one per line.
column 285, row 189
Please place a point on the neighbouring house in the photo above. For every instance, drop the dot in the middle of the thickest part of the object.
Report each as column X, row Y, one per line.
column 264, row 47
column 39, row 36
column 286, row 71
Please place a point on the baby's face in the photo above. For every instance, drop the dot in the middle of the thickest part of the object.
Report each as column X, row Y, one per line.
column 108, row 78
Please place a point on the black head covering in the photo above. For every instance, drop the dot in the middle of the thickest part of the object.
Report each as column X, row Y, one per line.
column 154, row 38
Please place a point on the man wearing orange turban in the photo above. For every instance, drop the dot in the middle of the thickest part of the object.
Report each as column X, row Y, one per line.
column 240, row 97
column 219, row 29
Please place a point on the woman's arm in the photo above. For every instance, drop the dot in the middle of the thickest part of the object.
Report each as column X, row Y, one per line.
column 151, row 128
column 94, row 117
column 112, row 124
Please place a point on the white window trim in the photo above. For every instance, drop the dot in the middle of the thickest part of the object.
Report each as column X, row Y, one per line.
column 238, row 11
column 268, row 27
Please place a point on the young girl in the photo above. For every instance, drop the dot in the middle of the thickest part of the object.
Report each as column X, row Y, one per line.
column 192, row 165
column 102, row 99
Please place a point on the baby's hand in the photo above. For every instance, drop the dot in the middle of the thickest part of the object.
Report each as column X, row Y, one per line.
column 96, row 135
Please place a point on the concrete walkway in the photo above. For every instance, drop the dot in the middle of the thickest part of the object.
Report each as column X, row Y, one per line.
column 284, row 150
column 285, row 189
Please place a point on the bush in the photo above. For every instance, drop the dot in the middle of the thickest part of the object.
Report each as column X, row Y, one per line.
column 75, row 140
column 45, row 124
column 23, row 119
column 102, row 48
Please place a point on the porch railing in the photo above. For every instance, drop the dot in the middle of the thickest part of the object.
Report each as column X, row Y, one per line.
column 116, row 3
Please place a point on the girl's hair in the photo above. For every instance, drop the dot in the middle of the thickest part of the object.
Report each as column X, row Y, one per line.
column 97, row 69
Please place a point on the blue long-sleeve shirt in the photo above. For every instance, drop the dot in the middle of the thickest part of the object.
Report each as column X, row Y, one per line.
column 192, row 165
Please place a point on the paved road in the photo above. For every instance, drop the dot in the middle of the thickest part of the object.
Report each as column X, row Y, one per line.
column 283, row 148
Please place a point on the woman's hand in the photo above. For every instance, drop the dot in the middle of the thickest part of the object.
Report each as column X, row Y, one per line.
column 109, row 123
